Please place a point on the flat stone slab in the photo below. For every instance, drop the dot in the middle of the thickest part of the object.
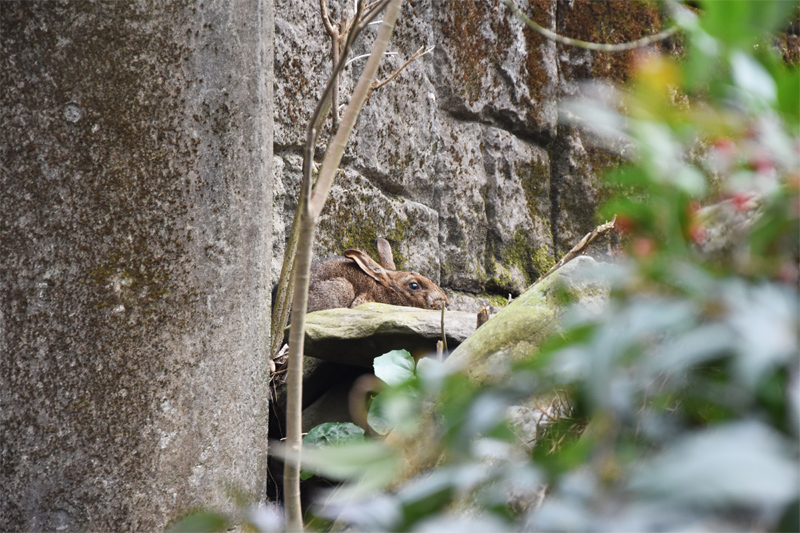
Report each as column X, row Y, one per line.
column 357, row 336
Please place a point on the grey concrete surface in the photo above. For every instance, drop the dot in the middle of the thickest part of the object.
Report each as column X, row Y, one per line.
column 135, row 213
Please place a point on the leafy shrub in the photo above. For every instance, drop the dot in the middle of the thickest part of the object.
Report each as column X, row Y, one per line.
column 679, row 406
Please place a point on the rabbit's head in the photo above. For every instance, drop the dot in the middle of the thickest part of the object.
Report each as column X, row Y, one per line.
column 398, row 287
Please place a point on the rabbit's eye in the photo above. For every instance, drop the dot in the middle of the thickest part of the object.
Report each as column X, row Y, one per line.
column 414, row 286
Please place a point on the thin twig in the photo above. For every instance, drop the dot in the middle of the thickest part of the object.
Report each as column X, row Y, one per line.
column 362, row 56
column 360, row 94
column 621, row 47
column 444, row 337
column 285, row 294
column 309, row 213
column 333, row 32
column 371, row 11
column 326, row 21
column 580, row 248
column 419, row 53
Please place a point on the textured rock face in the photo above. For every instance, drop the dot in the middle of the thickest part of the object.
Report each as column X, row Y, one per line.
column 460, row 162
column 135, row 201
column 577, row 166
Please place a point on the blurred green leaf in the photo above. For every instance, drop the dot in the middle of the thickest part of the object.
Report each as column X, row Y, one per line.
column 629, row 175
column 600, row 119
column 765, row 318
column 752, row 78
column 740, row 23
column 771, row 393
column 427, row 495
column 635, row 213
column 793, row 399
column 486, row 413
column 264, row 518
column 459, row 523
column 373, row 511
column 697, row 345
column 788, row 87
column 432, row 373
column 371, row 459
column 690, row 180
column 394, row 410
column 394, row 367
column 202, row 522
column 744, row 463
column 728, row 21
column 775, row 225
column 378, row 416
column 330, row 434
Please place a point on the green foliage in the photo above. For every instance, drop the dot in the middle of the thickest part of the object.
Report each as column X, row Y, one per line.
column 394, row 367
column 331, row 434
column 201, row 522
column 679, row 406
column 351, row 461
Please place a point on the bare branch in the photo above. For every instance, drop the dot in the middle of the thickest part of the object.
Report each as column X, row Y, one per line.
column 622, row 47
column 362, row 56
column 580, row 248
column 419, row 53
column 326, row 21
column 337, row 146
column 333, row 32
column 444, row 337
column 309, row 213
column 284, row 294
column 371, row 11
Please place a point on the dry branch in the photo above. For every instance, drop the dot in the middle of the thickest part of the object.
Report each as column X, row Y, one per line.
column 597, row 47
column 580, row 248
column 419, row 53
column 309, row 209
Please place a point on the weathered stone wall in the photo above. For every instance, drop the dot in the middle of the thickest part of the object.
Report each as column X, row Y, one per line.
column 135, row 217
column 460, row 161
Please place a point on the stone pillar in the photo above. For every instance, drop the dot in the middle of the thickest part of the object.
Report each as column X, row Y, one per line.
column 135, row 211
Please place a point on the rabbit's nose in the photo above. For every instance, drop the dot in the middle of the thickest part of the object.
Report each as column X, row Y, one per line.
column 437, row 301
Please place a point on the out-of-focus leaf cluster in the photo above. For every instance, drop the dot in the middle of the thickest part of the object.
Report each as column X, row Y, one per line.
column 679, row 406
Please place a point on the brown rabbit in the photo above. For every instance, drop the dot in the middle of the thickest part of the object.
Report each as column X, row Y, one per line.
column 356, row 279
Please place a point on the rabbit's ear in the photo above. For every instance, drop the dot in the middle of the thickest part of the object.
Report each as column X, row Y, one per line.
column 385, row 254
column 367, row 264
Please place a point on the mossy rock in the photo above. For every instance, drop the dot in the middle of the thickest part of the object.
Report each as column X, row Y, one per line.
column 518, row 330
column 356, row 336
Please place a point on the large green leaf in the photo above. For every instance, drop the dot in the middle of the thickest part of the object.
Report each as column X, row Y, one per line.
column 201, row 522
column 394, row 367
column 331, row 434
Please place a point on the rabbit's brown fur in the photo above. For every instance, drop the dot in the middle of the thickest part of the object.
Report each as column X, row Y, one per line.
column 356, row 279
